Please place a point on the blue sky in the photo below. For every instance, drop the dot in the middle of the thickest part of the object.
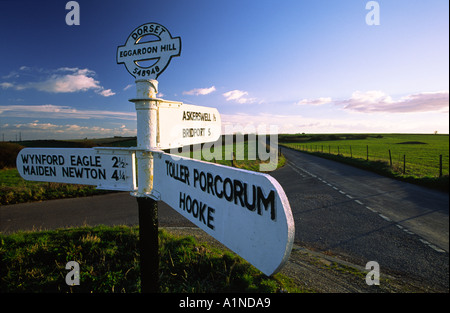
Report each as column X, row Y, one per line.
column 303, row 66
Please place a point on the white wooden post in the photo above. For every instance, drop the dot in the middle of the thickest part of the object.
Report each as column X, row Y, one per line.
column 146, row 112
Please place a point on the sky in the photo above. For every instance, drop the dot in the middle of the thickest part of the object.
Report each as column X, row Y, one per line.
column 286, row 66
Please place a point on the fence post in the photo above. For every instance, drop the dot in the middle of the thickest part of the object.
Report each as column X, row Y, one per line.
column 404, row 164
column 440, row 165
column 367, row 152
column 351, row 154
column 390, row 158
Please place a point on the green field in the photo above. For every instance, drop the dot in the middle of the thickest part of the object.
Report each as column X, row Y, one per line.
column 412, row 157
column 422, row 152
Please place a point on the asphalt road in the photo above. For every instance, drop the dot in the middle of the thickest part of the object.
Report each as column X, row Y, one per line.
column 360, row 216
column 339, row 210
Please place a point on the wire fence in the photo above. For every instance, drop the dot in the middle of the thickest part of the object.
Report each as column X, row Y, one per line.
column 418, row 162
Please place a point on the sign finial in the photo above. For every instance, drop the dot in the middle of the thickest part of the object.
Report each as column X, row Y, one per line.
column 135, row 51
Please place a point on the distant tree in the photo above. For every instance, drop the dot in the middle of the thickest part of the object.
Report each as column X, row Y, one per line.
column 8, row 154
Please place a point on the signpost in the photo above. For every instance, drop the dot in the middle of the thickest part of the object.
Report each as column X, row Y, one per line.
column 135, row 51
column 106, row 168
column 184, row 124
column 247, row 211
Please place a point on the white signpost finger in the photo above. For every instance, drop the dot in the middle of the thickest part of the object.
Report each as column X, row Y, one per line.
column 185, row 124
column 106, row 168
column 246, row 211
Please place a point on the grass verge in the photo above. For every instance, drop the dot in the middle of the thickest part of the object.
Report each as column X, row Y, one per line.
column 109, row 263
column 383, row 168
column 14, row 189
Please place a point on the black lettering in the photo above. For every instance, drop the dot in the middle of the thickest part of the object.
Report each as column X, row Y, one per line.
column 249, row 206
column 202, row 181
column 210, row 217
column 186, row 175
column 195, row 208
column 65, row 172
column 229, row 196
column 209, row 183
column 178, row 172
column 269, row 201
column 219, row 195
column 238, row 189
column 188, row 204
column 102, row 174
column 25, row 158
column 202, row 213
column 79, row 172
column 37, row 159
column 196, row 176
column 182, row 201
column 97, row 161
column 198, row 209
column 39, row 170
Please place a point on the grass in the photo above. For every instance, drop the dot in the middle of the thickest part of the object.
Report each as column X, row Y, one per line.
column 14, row 189
column 109, row 262
column 420, row 153
column 243, row 156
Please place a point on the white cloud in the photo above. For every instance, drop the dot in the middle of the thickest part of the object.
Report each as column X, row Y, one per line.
column 238, row 96
column 316, row 102
column 376, row 101
column 37, row 125
column 389, row 123
column 200, row 91
column 36, row 130
column 6, row 85
column 61, row 80
column 288, row 123
column 56, row 111
column 106, row 93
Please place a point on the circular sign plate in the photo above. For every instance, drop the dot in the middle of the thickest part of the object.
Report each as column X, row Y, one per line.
column 161, row 51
